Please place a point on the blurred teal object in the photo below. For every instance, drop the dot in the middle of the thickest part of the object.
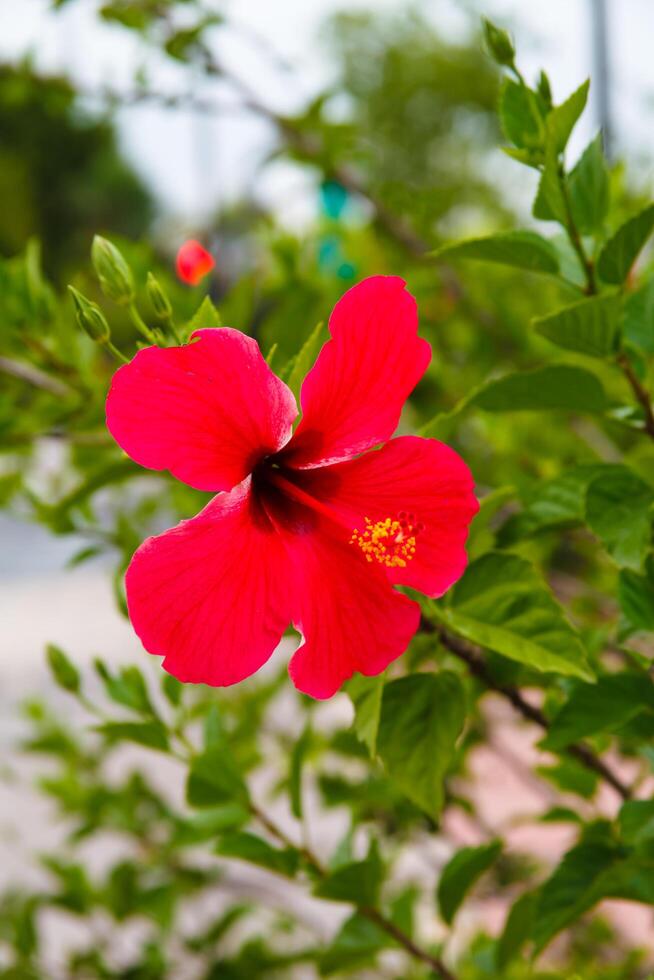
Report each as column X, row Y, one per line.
column 329, row 253
column 346, row 270
column 333, row 197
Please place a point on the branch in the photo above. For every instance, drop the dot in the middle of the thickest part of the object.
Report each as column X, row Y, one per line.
column 370, row 913
column 34, row 376
column 640, row 394
column 477, row 666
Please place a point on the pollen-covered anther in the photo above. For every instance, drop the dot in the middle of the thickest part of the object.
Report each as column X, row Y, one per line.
column 391, row 541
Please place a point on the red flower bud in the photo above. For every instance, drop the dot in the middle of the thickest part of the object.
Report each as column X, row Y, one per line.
column 193, row 262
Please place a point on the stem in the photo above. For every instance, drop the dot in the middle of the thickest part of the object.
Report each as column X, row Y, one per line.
column 370, row 913
column 141, row 325
column 114, row 350
column 640, row 394
column 477, row 666
column 34, row 376
column 575, row 238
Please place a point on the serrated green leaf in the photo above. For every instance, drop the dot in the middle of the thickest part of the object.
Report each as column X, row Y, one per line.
column 256, row 850
column 563, row 118
column 570, row 776
column 618, row 504
column 590, row 326
column 521, row 115
column 600, row 707
column 550, row 203
column 502, row 604
column 206, row 315
column 421, row 719
column 366, row 695
column 588, row 185
column 558, row 503
column 63, row 670
column 460, row 874
column 557, row 386
column 621, row 251
column 520, row 249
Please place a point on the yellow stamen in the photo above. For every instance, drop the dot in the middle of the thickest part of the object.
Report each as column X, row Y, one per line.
column 390, row 542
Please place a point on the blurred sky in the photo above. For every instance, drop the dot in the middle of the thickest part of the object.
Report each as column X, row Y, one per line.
column 193, row 163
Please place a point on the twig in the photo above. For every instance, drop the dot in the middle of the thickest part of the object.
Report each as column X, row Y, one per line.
column 370, row 913
column 640, row 393
column 477, row 666
column 34, row 376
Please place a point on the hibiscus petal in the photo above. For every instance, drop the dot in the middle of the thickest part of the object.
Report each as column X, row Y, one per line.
column 207, row 411
column 422, row 479
column 211, row 595
column 350, row 617
column 353, row 395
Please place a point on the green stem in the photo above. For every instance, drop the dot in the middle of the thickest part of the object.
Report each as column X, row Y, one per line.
column 141, row 325
column 575, row 238
column 114, row 350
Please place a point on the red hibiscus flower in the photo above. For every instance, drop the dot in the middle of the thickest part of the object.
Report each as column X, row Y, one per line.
column 193, row 262
column 313, row 527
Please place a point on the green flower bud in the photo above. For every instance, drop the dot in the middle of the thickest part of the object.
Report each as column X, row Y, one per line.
column 113, row 271
column 499, row 44
column 160, row 302
column 90, row 317
column 545, row 89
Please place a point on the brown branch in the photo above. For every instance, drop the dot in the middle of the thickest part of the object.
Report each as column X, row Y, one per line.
column 370, row 913
column 477, row 666
column 640, row 393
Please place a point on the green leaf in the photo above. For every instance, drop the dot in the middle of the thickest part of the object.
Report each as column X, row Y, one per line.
column 421, row 719
column 638, row 324
column 358, row 882
column 620, row 252
column 517, row 929
column 152, row 734
column 521, row 115
column 304, row 360
column 590, row 326
column 206, row 315
column 558, row 503
column 355, row 946
column 588, row 186
column 298, row 754
column 636, row 596
column 563, row 118
column 172, row 689
column 215, row 778
column 366, row 696
column 557, row 386
column 502, row 603
column 636, row 821
column 550, row 204
column 461, row 873
column 600, row 707
column 521, row 249
column 127, row 688
column 64, row 672
column 570, row 776
column 570, row 891
column 249, row 847
column 618, row 506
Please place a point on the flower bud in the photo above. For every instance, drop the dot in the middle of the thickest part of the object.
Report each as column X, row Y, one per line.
column 113, row 272
column 160, row 302
column 90, row 317
column 544, row 89
column 499, row 44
